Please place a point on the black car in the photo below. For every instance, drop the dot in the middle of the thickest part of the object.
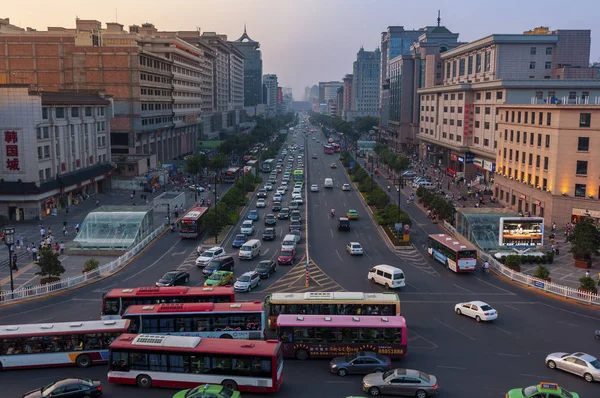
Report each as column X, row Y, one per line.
column 276, row 206
column 270, row 219
column 262, row 193
column 269, row 234
column 343, row 224
column 284, row 214
column 224, row 263
column 71, row 388
column 266, row 268
column 174, row 278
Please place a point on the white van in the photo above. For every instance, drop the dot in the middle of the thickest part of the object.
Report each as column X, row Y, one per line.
column 289, row 242
column 250, row 249
column 426, row 185
column 328, row 183
column 386, row 275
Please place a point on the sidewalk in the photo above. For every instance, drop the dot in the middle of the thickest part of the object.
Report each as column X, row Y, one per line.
column 562, row 270
column 73, row 264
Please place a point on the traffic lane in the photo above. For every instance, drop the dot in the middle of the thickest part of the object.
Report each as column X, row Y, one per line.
column 85, row 303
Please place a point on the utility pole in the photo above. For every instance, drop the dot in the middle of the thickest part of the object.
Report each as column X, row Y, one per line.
column 216, row 213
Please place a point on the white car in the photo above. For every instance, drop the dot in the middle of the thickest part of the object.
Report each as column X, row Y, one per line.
column 268, row 187
column 476, row 309
column 297, row 191
column 298, row 199
column 314, row 188
column 261, row 203
column 284, row 184
column 247, row 281
column 277, row 197
column 354, row 248
column 210, row 254
column 247, row 227
column 346, row 187
column 578, row 363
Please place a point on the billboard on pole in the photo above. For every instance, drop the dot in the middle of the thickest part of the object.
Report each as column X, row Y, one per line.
column 521, row 232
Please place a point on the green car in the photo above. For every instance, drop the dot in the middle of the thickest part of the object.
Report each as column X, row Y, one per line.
column 208, row 391
column 352, row 214
column 219, row 278
column 542, row 389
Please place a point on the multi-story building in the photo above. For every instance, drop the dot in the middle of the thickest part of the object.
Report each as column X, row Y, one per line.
column 236, row 76
column 339, row 102
column 69, row 131
column 546, row 160
column 395, row 41
column 314, row 93
column 328, row 91
column 459, row 118
column 406, row 74
column 271, row 97
column 253, row 85
column 365, row 83
column 347, row 87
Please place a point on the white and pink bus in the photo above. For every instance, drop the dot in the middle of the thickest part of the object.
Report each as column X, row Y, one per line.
column 187, row 361
column 58, row 344
column 455, row 255
column 318, row 336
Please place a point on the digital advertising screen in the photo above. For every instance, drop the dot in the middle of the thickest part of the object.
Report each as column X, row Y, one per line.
column 521, row 232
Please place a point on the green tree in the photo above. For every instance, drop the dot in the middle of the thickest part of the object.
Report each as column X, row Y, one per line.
column 49, row 264
column 90, row 264
column 219, row 162
column 196, row 163
column 364, row 124
column 585, row 239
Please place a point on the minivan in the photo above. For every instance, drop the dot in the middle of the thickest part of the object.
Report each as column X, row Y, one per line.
column 328, row 183
column 250, row 249
column 426, row 185
column 223, row 263
column 386, row 275
column 289, row 242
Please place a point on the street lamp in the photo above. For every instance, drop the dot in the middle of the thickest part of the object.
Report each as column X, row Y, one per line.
column 9, row 240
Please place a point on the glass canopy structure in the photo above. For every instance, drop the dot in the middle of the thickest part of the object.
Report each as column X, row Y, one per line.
column 481, row 226
column 114, row 228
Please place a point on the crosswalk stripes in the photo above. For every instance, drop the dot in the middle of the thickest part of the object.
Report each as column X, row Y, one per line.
column 416, row 259
column 189, row 262
column 295, row 280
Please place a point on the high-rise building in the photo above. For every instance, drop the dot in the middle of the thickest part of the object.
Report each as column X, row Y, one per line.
column 270, row 83
column 395, row 41
column 328, row 91
column 314, row 93
column 253, row 85
column 459, row 119
column 365, row 83
column 339, row 102
column 347, row 111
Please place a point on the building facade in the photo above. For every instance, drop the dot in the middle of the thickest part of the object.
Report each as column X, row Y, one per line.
column 270, row 82
column 339, row 102
column 69, row 131
column 458, row 126
column 253, row 85
column 365, row 83
column 547, row 163
column 328, row 91
column 347, row 87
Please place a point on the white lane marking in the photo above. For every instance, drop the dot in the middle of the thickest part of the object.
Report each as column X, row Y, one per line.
column 331, row 230
column 338, row 254
column 516, row 309
column 413, row 286
column 502, row 330
column 567, row 323
column 462, row 288
column 494, row 286
column 570, row 312
column 153, row 264
column 34, row 310
column 456, row 330
column 451, row 367
column 530, row 375
column 178, row 253
column 266, row 251
column 510, row 355
column 449, row 301
column 367, row 254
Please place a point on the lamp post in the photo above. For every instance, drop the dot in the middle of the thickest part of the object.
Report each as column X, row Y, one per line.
column 9, row 240
column 216, row 213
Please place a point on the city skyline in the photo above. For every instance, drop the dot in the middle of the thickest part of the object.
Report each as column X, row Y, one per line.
column 291, row 34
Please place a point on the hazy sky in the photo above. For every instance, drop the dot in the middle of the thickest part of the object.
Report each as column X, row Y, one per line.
column 307, row 41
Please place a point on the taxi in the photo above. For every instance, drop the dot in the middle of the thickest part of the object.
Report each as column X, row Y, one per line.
column 208, row 391
column 352, row 214
column 333, row 165
column 541, row 390
column 219, row 278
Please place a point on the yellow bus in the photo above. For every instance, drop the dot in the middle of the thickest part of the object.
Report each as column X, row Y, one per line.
column 331, row 303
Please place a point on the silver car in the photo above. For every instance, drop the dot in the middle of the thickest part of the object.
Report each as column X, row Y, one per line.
column 407, row 382
column 362, row 362
column 578, row 363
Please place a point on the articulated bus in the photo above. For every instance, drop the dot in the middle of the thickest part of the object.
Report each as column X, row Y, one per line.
column 192, row 224
column 298, row 175
column 317, row 336
column 58, row 344
column 455, row 255
column 329, row 149
column 267, row 166
column 331, row 303
column 180, row 362
column 222, row 320
column 232, row 175
column 115, row 302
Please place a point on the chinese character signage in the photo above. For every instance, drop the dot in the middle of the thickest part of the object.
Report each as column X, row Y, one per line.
column 12, row 152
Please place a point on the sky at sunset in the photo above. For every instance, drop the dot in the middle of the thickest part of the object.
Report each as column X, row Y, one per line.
column 307, row 41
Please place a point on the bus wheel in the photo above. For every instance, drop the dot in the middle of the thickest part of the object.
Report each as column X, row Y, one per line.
column 144, row 381
column 232, row 385
column 302, row 354
column 83, row 361
column 226, row 336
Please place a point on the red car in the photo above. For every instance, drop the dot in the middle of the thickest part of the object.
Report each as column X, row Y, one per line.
column 286, row 257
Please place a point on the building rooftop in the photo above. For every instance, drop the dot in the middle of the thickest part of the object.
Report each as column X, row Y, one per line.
column 501, row 38
column 72, row 98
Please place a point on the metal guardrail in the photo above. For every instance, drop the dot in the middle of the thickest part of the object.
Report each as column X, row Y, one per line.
column 541, row 284
column 102, row 271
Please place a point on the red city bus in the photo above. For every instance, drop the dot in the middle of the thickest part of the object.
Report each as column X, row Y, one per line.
column 192, row 224
column 232, row 175
column 329, row 149
column 242, row 321
column 328, row 336
column 115, row 302
column 148, row 360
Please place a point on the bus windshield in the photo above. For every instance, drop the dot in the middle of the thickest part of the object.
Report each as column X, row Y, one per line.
column 467, row 254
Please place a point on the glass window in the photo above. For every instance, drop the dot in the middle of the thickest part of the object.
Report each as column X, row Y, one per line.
column 74, row 112
column 583, row 144
column 488, row 61
column 60, row 113
column 478, row 63
column 580, row 190
column 582, row 167
column 585, row 119
column 532, row 50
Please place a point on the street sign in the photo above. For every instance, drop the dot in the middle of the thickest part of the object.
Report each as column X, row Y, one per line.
column 538, row 284
column 398, row 226
column 351, row 163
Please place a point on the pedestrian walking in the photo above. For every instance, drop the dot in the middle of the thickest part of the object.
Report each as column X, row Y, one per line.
column 34, row 253
column 42, row 232
column 56, row 247
column 587, row 273
column 49, row 231
column 62, row 247
column 77, row 228
column 64, row 230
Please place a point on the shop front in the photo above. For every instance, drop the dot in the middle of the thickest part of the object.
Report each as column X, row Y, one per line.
column 434, row 154
column 484, row 170
column 577, row 214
